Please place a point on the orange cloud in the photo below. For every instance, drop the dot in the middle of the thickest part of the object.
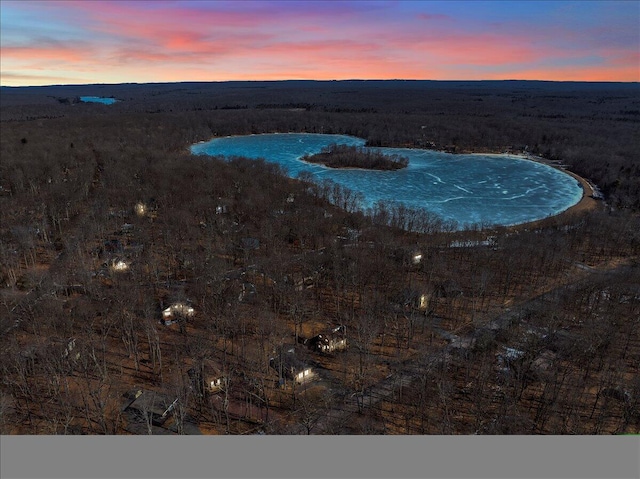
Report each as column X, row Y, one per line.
column 173, row 41
column 591, row 74
column 22, row 78
column 46, row 53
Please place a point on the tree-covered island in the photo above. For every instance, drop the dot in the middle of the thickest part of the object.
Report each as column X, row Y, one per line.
column 344, row 156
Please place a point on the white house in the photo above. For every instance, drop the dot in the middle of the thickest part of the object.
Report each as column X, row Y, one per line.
column 118, row 265
column 177, row 310
column 330, row 341
column 140, row 209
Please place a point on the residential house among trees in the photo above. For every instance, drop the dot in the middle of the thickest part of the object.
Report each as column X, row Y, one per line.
column 177, row 311
column 327, row 342
column 301, row 282
column 206, row 377
column 118, row 265
column 290, row 366
column 149, row 208
column 411, row 299
column 151, row 406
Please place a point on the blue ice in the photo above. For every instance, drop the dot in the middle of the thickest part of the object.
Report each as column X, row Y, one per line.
column 98, row 99
column 507, row 190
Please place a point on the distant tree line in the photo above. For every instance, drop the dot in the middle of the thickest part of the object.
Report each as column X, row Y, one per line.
column 591, row 127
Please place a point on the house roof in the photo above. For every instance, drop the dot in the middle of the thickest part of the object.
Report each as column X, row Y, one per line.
column 154, row 402
column 288, row 354
column 250, row 243
column 337, row 332
column 179, row 308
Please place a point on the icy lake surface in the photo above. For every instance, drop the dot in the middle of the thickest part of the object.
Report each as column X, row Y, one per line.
column 98, row 99
column 468, row 189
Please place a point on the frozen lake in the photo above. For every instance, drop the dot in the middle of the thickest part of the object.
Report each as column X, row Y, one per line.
column 98, row 99
column 468, row 189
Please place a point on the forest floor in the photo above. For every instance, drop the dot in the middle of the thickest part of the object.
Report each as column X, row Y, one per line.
column 345, row 416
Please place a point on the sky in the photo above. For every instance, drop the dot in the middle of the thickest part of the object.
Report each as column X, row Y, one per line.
column 80, row 42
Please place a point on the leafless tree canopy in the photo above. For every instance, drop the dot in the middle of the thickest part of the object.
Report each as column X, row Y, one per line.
column 107, row 221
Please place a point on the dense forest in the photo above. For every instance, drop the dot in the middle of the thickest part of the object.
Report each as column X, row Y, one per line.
column 148, row 291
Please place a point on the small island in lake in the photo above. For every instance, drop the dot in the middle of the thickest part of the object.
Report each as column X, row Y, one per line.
column 344, row 156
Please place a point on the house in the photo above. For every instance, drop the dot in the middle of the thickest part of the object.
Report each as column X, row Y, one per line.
column 206, row 377
column 221, row 209
column 177, row 311
column 156, row 406
column 149, row 209
column 423, row 301
column 140, row 208
column 329, row 341
column 290, row 366
column 407, row 256
column 127, row 228
column 118, row 265
column 249, row 243
column 411, row 299
column 222, row 206
column 300, row 281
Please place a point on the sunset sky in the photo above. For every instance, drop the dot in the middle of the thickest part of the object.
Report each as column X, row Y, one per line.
column 76, row 42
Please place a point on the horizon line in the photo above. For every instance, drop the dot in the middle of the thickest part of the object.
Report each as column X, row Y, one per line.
column 320, row 81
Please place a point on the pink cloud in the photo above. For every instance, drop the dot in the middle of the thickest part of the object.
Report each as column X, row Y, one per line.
column 170, row 41
column 48, row 53
column 42, row 79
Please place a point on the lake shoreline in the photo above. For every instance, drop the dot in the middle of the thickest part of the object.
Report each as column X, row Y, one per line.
column 586, row 202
